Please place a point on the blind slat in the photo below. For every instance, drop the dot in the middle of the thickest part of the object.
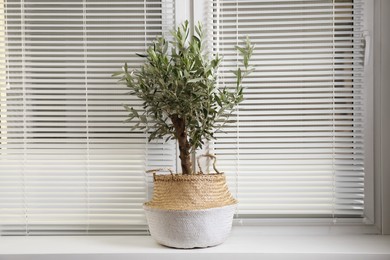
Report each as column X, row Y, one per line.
column 68, row 163
column 297, row 146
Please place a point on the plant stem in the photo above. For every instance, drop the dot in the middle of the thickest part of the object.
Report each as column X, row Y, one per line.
column 184, row 145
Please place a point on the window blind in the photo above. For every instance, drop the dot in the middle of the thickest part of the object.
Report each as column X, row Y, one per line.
column 296, row 149
column 69, row 165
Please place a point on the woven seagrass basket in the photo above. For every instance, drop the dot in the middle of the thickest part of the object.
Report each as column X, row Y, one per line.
column 188, row 211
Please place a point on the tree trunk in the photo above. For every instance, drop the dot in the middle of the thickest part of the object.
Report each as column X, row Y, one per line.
column 184, row 145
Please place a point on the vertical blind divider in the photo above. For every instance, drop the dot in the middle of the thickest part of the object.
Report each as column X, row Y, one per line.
column 333, row 113
column 146, row 139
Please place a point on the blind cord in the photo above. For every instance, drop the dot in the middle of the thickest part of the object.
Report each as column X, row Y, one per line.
column 85, row 53
column 238, row 126
column 23, row 35
column 333, row 114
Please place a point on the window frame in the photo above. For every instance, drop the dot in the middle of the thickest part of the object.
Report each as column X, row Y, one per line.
column 194, row 11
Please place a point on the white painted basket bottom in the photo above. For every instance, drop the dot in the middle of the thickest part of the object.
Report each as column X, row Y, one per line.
column 190, row 228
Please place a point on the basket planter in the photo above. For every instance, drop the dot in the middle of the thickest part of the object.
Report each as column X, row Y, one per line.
column 190, row 228
column 182, row 101
column 189, row 211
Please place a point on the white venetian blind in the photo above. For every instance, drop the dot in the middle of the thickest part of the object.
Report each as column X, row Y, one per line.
column 68, row 163
column 297, row 147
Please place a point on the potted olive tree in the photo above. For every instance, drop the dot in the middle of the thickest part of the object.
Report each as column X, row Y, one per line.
column 181, row 101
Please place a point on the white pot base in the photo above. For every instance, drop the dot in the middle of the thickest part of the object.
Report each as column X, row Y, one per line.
column 190, row 228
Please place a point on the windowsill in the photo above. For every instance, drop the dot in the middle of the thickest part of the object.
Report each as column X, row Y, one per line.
column 243, row 243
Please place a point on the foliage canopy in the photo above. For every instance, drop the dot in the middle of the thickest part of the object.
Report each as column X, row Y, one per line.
column 178, row 86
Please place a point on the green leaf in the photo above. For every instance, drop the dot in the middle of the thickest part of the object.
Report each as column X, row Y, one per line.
column 239, row 76
column 165, row 49
column 143, row 119
column 247, row 72
column 141, row 55
column 198, row 29
column 129, row 109
column 234, row 72
column 240, row 49
column 246, row 60
column 218, row 100
column 134, row 112
column 117, row 74
column 194, row 80
column 128, row 120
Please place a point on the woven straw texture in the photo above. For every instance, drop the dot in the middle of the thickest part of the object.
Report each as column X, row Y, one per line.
column 190, row 228
column 190, row 192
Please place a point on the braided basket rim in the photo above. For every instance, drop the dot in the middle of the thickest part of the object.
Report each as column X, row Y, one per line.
column 190, row 192
column 189, row 177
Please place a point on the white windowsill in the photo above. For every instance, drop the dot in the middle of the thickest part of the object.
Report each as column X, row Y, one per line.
column 242, row 244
